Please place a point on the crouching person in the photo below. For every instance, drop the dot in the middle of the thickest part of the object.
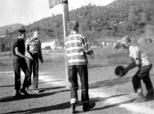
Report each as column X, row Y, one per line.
column 140, row 60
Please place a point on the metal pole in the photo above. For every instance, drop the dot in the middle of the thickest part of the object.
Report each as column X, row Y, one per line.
column 65, row 21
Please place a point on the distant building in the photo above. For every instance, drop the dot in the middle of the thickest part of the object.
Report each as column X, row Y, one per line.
column 53, row 44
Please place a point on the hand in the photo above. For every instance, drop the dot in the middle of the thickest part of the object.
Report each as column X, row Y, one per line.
column 41, row 60
column 90, row 52
column 30, row 57
column 125, row 71
column 138, row 63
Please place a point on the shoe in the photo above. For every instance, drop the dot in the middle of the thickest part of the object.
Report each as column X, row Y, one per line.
column 24, row 91
column 28, row 88
column 140, row 98
column 149, row 96
column 87, row 107
column 73, row 108
column 36, row 90
column 140, row 94
column 18, row 94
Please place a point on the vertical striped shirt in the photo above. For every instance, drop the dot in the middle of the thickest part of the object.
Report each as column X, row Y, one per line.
column 76, row 45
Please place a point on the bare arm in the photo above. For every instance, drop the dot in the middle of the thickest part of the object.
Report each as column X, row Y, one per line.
column 131, row 65
column 27, row 50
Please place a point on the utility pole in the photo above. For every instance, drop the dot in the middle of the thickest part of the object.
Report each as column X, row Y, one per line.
column 65, row 31
column 64, row 3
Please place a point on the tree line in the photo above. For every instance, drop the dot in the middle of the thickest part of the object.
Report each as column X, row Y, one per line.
column 116, row 19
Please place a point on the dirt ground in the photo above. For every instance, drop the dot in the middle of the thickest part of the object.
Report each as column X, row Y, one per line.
column 112, row 95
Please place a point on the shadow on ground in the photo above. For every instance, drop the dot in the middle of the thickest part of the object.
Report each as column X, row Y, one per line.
column 32, row 96
column 67, row 105
column 111, row 82
column 43, row 109
column 41, row 82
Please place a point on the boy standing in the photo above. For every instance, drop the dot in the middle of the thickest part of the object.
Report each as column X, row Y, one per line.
column 20, row 63
column 76, row 49
column 139, row 59
column 33, row 50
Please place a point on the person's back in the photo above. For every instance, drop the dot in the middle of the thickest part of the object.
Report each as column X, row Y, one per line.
column 75, row 45
column 76, row 49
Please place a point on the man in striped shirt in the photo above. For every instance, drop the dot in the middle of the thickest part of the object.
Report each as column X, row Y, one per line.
column 76, row 49
column 33, row 49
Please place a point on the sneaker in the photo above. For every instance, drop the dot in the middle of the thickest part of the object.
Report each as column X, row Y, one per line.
column 24, row 91
column 87, row 107
column 36, row 90
column 73, row 108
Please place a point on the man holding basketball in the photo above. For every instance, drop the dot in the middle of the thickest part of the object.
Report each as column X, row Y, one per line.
column 140, row 60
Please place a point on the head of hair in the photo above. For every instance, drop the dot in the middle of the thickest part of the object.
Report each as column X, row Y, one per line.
column 35, row 34
column 73, row 25
column 21, row 31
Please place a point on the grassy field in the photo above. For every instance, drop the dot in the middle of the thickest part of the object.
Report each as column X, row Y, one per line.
column 102, row 56
column 55, row 99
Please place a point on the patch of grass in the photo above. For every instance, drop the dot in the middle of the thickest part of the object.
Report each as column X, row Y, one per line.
column 110, row 56
column 102, row 57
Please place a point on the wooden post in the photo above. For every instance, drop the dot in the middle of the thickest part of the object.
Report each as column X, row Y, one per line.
column 10, row 45
column 65, row 31
column 1, row 46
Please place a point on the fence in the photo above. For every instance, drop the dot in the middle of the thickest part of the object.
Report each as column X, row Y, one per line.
column 6, row 46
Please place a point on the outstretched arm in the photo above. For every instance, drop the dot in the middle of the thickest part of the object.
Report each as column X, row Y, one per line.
column 130, row 66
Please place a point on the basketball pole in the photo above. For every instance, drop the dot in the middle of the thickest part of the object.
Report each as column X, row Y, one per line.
column 65, row 31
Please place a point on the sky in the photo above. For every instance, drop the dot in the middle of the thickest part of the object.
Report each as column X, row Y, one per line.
column 29, row 11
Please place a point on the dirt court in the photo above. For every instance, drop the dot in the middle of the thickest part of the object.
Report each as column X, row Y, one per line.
column 112, row 95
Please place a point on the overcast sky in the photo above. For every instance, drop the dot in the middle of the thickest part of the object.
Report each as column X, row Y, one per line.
column 28, row 11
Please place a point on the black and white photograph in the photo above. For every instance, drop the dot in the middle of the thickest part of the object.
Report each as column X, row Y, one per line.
column 76, row 56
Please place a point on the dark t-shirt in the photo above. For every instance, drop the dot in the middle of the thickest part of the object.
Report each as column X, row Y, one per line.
column 20, row 43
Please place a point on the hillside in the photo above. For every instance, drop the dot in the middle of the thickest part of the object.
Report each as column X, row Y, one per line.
column 10, row 28
column 121, row 17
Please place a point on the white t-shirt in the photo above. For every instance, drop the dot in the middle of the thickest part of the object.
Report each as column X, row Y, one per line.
column 136, row 53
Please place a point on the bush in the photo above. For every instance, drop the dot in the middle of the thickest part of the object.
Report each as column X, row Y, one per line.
column 48, row 47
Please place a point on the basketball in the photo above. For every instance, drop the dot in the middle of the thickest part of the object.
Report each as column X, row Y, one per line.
column 119, row 71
